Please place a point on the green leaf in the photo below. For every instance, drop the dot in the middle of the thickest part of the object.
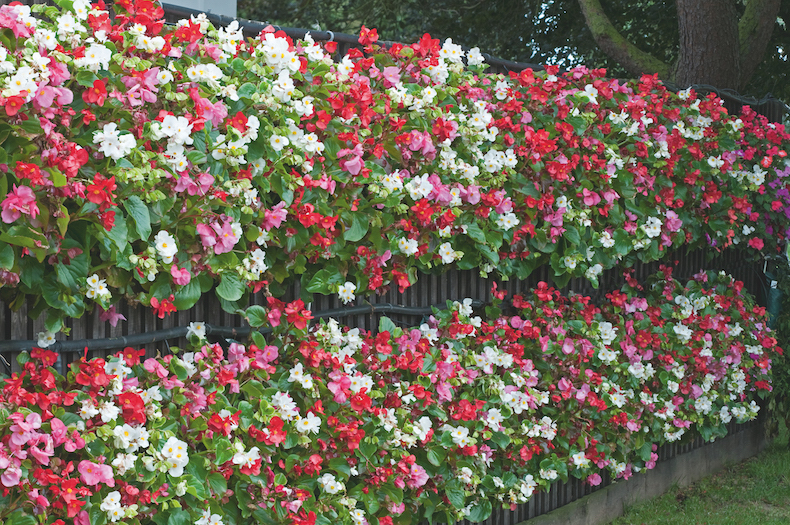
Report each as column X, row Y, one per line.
column 197, row 488
column 474, row 231
column 96, row 515
column 85, row 78
column 646, row 451
column 455, row 493
column 357, row 230
column 572, row 235
column 323, row 280
column 223, row 449
column 6, row 257
column 502, row 440
column 386, row 325
column 186, row 296
column 256, row 316
column 139, row 212
column 217, row 483
column 20, row 518
column 179, row 517
column 230, row 287
column 246, row 90
column 436, row 457
column 367, row 449
column 481, row 511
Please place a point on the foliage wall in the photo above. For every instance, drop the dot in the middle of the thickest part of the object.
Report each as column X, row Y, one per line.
column 153, row 164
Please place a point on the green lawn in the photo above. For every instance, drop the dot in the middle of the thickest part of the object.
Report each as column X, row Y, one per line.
column 754, row 492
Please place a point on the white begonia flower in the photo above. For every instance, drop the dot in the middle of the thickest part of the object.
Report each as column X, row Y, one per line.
column 580, row 460
column 448, row 254
column 330, row 484
column 451, row 52
column 310, row 423
column 652, row 227
column 45, row 339
column 108, row 411
column 408, row 246
column 506, row 221
column 165, row 246
column 607, row 332
column 197, row 328
column 346, row 292
column 474, row 57
column 278, row 142
column 683, row 332
column 112, row 143
column 96, row 57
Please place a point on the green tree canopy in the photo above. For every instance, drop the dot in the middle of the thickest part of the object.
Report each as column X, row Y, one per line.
column 553, row 31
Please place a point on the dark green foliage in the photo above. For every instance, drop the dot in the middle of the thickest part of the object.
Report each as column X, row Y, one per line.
column 532, row 31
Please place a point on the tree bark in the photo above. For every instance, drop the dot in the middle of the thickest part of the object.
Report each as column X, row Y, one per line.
column 754, row 32
column 611, row 42
column 709, row 45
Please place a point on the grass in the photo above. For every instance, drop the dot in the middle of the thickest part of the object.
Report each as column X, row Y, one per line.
column 756, row 491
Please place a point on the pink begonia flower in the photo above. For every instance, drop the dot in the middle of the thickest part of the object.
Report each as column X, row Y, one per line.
column 396, row 508
column 75, row 443
column 185, row 182
column 444, row 391
column 266, row 355
column 151, row 366
column 11, row 476
column 207, row 236
column 235, row 352
column 610, row 195
column 93, row 473
column 594, row 479
column 59, row 432
column 20, row 200
column 353, row 165
column 591, row 198
column 339, row 385
column 673, row 223
column 58, row 73
column 274, row 218
column 111, row 315
column 391, row 76
column 417, row 477
column 9, row 18
column 444, row 370
column 226, row 237
column 181, row 276
column 567, row 346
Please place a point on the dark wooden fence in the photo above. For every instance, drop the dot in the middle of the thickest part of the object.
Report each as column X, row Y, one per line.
column 407, row 309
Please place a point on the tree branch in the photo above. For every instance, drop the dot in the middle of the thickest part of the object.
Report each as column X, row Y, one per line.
column 616, row 46
column 754, row 33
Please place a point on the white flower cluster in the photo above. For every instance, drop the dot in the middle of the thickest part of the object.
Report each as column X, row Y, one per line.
column 178, row 132
column 297, row 375
column 286, row 408
column 652, row 227
column 207, row 518
column 111, row 504
column 448, row 254
column 130, row 438
column 346, row 292
column 248, row 458
column 492, row 357
column 330, row 484
column 165, row 246
column 97, row 288
column 175, row 456
column 233, row 147
column 112, row 143
column 255, row 263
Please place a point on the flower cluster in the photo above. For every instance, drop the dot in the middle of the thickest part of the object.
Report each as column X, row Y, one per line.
column 337, row 424
column 163, row 160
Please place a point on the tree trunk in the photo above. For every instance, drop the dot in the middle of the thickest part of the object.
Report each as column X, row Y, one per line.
column 709, row 44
